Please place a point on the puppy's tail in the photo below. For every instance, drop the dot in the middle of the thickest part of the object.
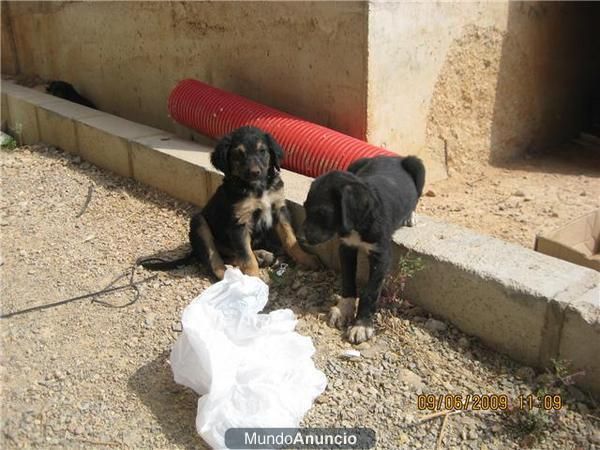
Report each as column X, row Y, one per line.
column 161, row 264
column 414, row 166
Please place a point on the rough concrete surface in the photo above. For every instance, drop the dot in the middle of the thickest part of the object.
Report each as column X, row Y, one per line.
column 504, row 293
column 172, row 165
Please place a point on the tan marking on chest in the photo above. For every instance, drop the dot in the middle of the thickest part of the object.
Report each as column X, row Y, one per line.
column 267, row 203
column 354, row 240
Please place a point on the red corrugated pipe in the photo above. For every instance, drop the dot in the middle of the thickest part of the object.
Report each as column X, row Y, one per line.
column 310, row 149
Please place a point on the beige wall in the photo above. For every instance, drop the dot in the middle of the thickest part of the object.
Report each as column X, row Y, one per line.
column 9, row 57
column 304, row 58
column 478, row 81
column 452, row 82
column 409, row 44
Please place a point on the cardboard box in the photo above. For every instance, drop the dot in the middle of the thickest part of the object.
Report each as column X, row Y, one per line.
column 578, row 242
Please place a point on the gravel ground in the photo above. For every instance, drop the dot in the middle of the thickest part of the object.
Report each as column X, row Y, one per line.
column 86, row 375
column 535, row 194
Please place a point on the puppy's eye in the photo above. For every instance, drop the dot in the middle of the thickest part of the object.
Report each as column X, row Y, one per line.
column 263, row 150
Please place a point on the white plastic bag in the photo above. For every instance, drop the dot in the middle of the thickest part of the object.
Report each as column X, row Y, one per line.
column 251, row 369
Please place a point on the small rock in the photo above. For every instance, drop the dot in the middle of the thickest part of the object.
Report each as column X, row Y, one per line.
column 149, row 321
column 411, row 379
column 363, row 346
column 350, row 354
column 583, row 193
column 473, row 435
column 435, row 325
column 403, row 439
column 409, row 419
column 430, row 193
column 519, row 193
column 321, row 399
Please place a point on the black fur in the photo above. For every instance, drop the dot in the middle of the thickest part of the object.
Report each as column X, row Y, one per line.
column 368, row 203
column 66, row 90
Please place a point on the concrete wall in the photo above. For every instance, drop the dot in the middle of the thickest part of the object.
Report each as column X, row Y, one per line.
column 478, row 81
column 10, row 64
column 304, row 58
column 455, row 83
column 409, row 47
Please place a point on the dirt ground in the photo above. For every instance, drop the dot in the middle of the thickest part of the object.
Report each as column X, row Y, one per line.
column 86, row 375
column 533, row 195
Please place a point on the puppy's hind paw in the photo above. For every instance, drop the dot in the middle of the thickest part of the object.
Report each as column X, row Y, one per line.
column 360, row 333
column 342, row 314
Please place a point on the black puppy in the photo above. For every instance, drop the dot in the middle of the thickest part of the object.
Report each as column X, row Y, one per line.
column 364, row 206
column 66, row 90
column 244, row 211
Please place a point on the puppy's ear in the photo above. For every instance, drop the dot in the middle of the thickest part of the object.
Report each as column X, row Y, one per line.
column 346, row 210
column 355, row 206
column 275, row 150
column 220, row 155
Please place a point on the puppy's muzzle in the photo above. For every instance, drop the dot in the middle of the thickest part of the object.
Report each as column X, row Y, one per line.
column 253, row 173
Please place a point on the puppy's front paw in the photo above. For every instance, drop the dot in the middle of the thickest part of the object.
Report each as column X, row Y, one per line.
column 360, row 332
column 342, row 314
column 264, row 258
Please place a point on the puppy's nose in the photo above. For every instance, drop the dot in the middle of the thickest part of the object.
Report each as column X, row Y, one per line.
column 254, row 172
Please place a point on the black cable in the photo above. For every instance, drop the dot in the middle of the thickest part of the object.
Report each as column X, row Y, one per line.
column 109, row 288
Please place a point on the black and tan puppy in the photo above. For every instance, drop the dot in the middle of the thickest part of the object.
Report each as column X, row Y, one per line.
column 363, row 206
column 246, row 211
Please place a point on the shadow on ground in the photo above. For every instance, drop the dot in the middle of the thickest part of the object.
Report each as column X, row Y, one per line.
column 565, row 159
column 173, row 405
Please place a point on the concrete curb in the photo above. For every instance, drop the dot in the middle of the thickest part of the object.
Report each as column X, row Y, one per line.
column 531, row 306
